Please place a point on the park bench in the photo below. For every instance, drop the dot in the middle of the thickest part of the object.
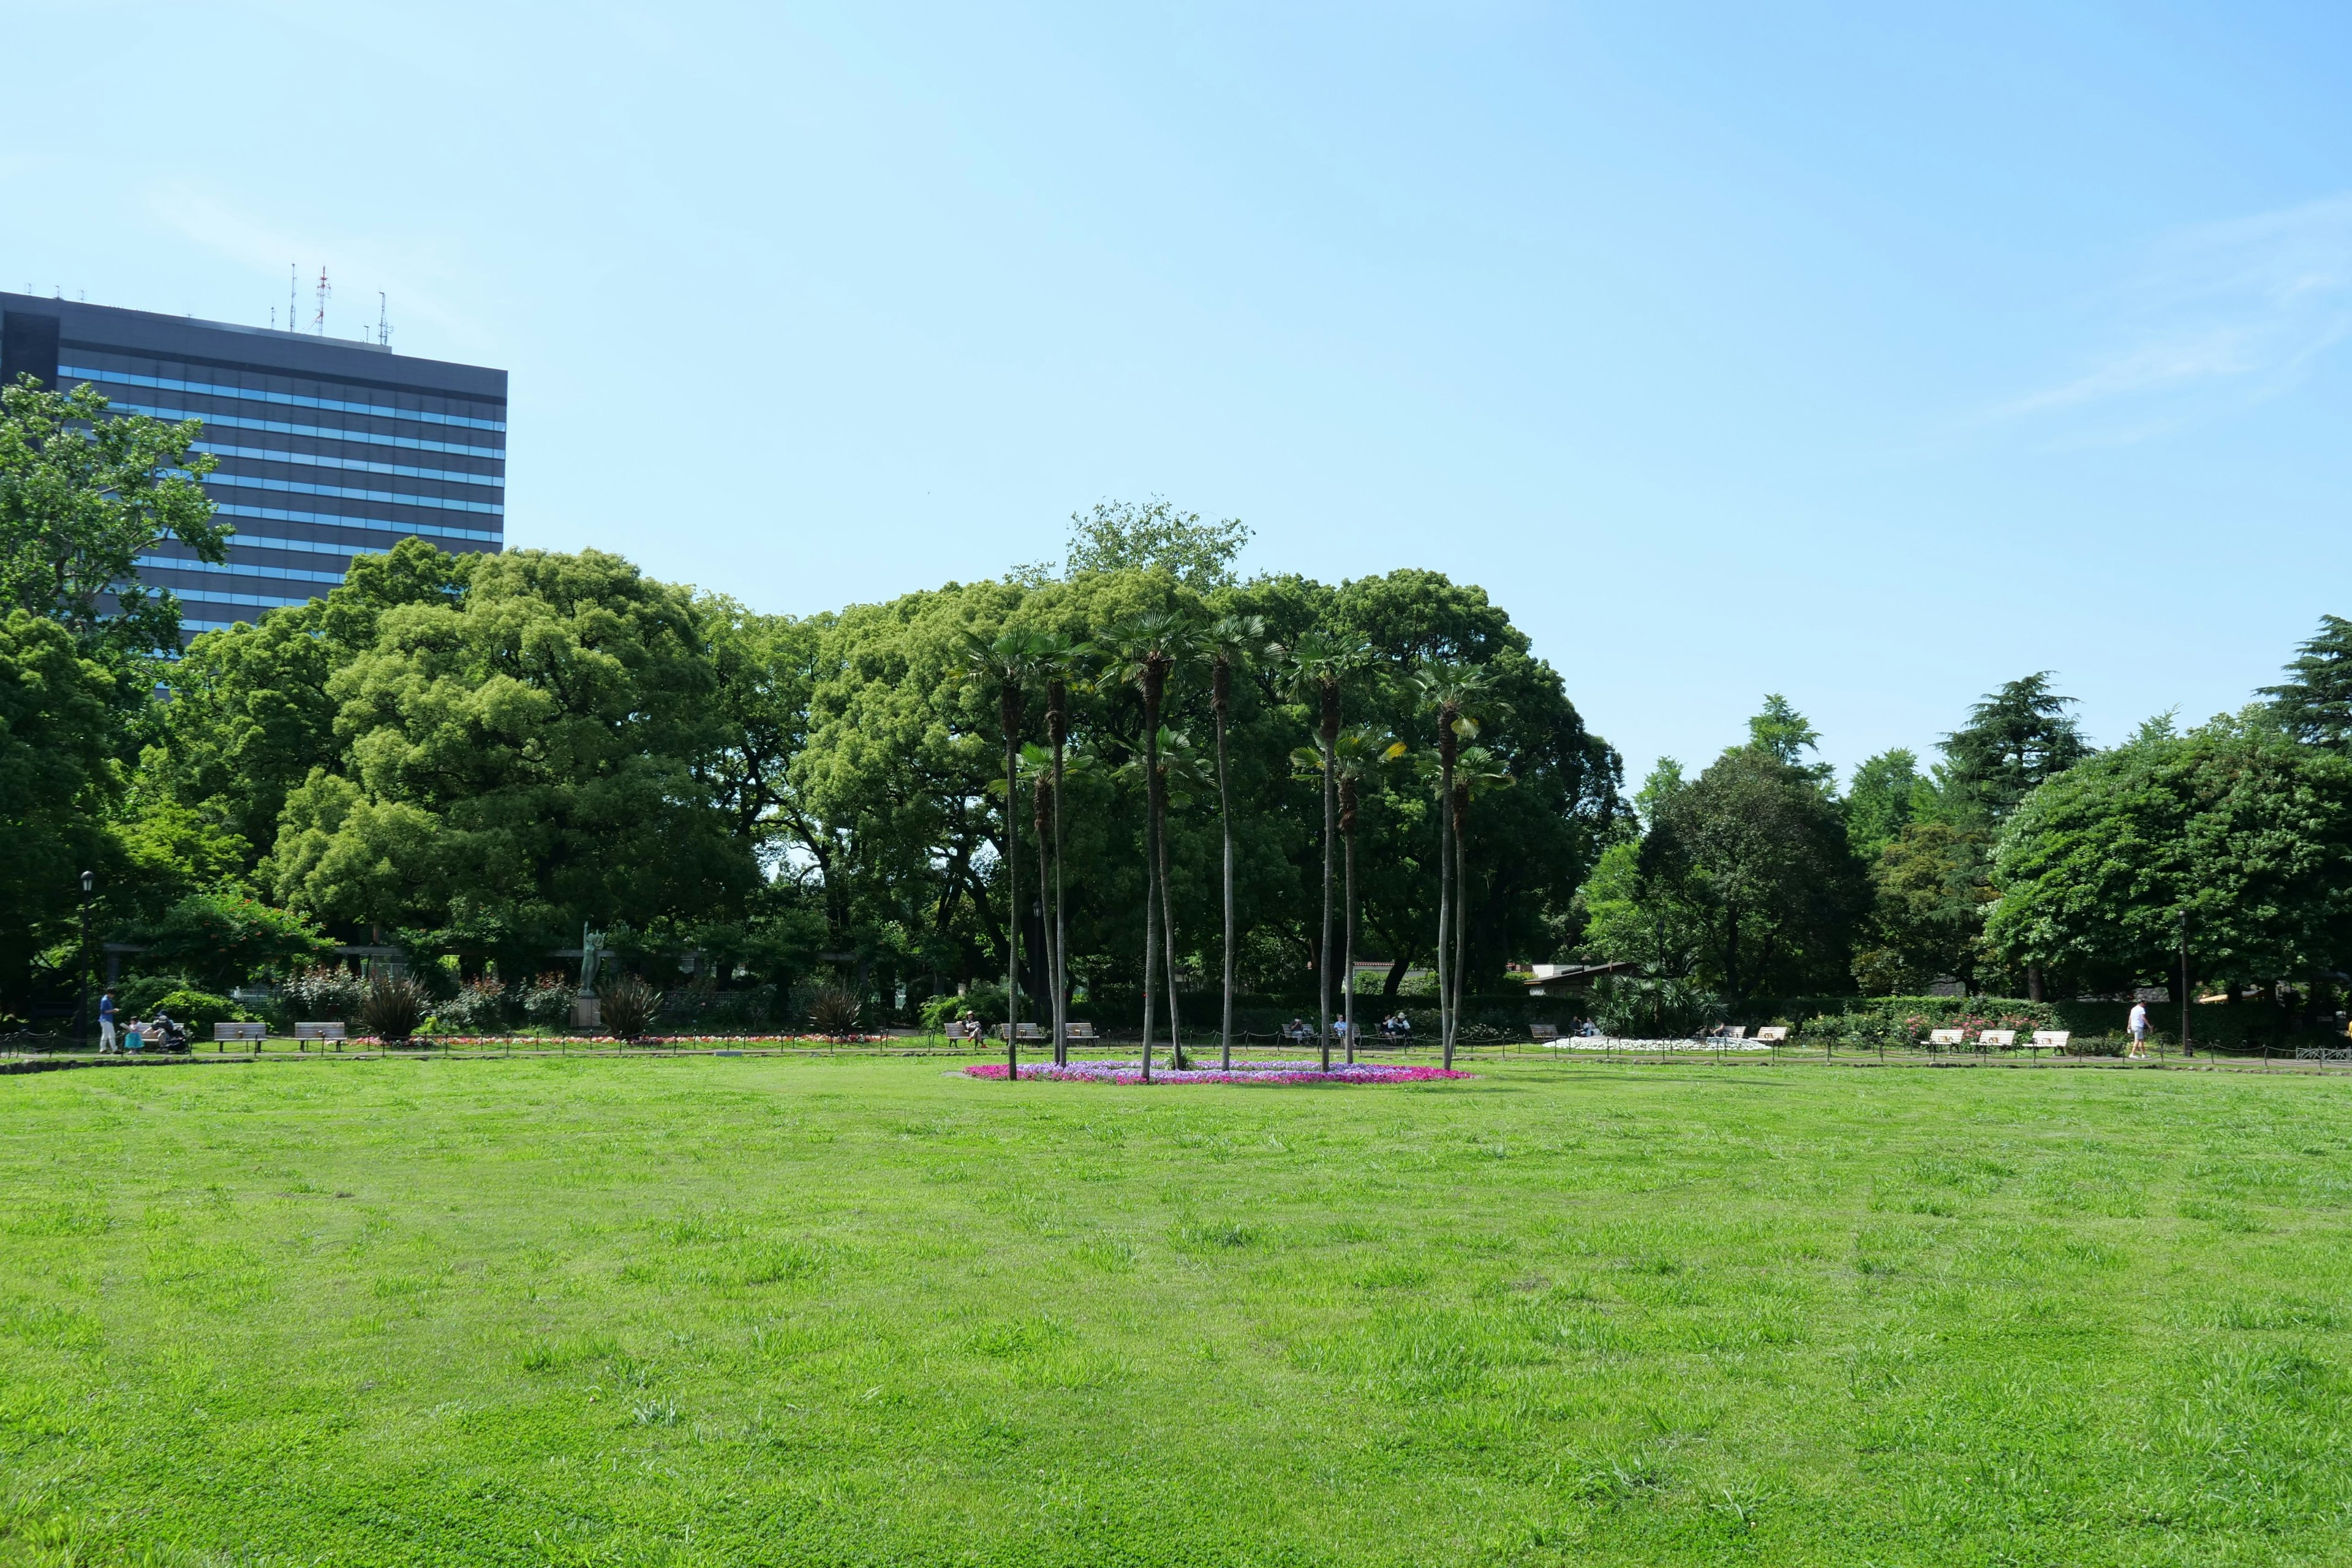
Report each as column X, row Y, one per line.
column 1996, row 1039
column 1079, row 1032
column 1541, row 1033
column 1945, row 1039
column 306, row 1033
column 2052, row 1039
column 1773, row 1034
column 1026, row 1034
column 243, row 1034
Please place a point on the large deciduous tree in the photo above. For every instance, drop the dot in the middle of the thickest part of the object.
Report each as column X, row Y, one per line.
column 1752, row 858
column 83, row 495
column 59, row 782
column 520, row 758
column 2234, row 826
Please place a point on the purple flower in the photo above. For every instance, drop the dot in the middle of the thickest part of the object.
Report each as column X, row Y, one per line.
column 1259, row 1073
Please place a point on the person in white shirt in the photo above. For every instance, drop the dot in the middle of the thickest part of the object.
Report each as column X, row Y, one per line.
column 2138, row 1027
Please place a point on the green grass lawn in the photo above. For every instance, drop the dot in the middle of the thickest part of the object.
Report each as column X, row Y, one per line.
column 811, row 1311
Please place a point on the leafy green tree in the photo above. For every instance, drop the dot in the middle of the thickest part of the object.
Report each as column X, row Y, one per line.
column 2235, row 826
column 83, row 494
column 1881, row 800
column 248, row 718
column 1929, row 912
column 2314, row 702
column 1122, row 536
column 223, row 939
column 1755, row 853
column 521, row 759
column 765, row 668
column 1528, row 849
column 59, row 783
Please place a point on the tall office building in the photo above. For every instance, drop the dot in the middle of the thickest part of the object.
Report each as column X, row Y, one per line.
column 328, row 448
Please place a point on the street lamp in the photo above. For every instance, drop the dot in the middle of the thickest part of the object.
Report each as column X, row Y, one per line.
column 89, row 881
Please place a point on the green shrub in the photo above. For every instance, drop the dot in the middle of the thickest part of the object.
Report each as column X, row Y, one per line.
column 1637, row 1007
column 321, row 995
column 834, row 1012
column 481, row 1007
column 626, row 1005
column 222, row 939
column 547, row 1001
column 394, row 1006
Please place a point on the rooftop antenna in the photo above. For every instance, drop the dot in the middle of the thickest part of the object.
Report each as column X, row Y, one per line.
column 383, row 322
column 319, row 321
column 290, row 296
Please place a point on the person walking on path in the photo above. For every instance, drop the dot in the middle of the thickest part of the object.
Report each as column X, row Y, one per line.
column 2138, row 1027
column 106, row 1022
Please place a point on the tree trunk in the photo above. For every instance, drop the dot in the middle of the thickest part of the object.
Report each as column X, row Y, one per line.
column 2033, row 982
column 1347, row 962
column 1046, row 959
column 1168, row 938
column 1154, row 679
column 1446, row 851
column 1330, row 736
column 1225, row 824
column 1011, row 891
column 1395, row 982
column 1058, row 720
column 1461, row 897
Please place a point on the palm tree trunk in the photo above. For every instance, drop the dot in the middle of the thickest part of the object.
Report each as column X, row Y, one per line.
column 1328, row 735
column 1168, row 940
column 1012, row 901
column 1460, row 902
column 1225, row 823
column 1045, row 927
column 1323, row 952
column 1151, row 860
column 1061, row 930
column 1347, row 966
column 1444, row 899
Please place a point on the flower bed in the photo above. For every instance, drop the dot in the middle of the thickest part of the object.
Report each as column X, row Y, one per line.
column 662, row 1040
column 1618, row 1043
column 1260, row 1072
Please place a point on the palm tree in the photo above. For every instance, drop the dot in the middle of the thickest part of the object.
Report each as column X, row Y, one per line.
column 1477, row 770
column 1450, row 689
column 1182, row 779
column 1232, row 641
column 1358, row 756
column 1058, row 659
column 1144, row 651
column 1316, row 664
column 1009, row 660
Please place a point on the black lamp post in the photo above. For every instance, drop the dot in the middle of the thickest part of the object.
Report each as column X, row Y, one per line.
column 82, row 1026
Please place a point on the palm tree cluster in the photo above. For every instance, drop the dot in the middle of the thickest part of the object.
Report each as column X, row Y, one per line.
column 1151, row 652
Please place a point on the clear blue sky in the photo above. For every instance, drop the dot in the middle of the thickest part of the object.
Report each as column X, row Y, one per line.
column 1869, row 353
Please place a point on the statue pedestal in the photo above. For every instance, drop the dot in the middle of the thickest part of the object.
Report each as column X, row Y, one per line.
column 587, row 1013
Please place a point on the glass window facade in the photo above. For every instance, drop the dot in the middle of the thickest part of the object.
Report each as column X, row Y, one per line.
column 328, row 449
